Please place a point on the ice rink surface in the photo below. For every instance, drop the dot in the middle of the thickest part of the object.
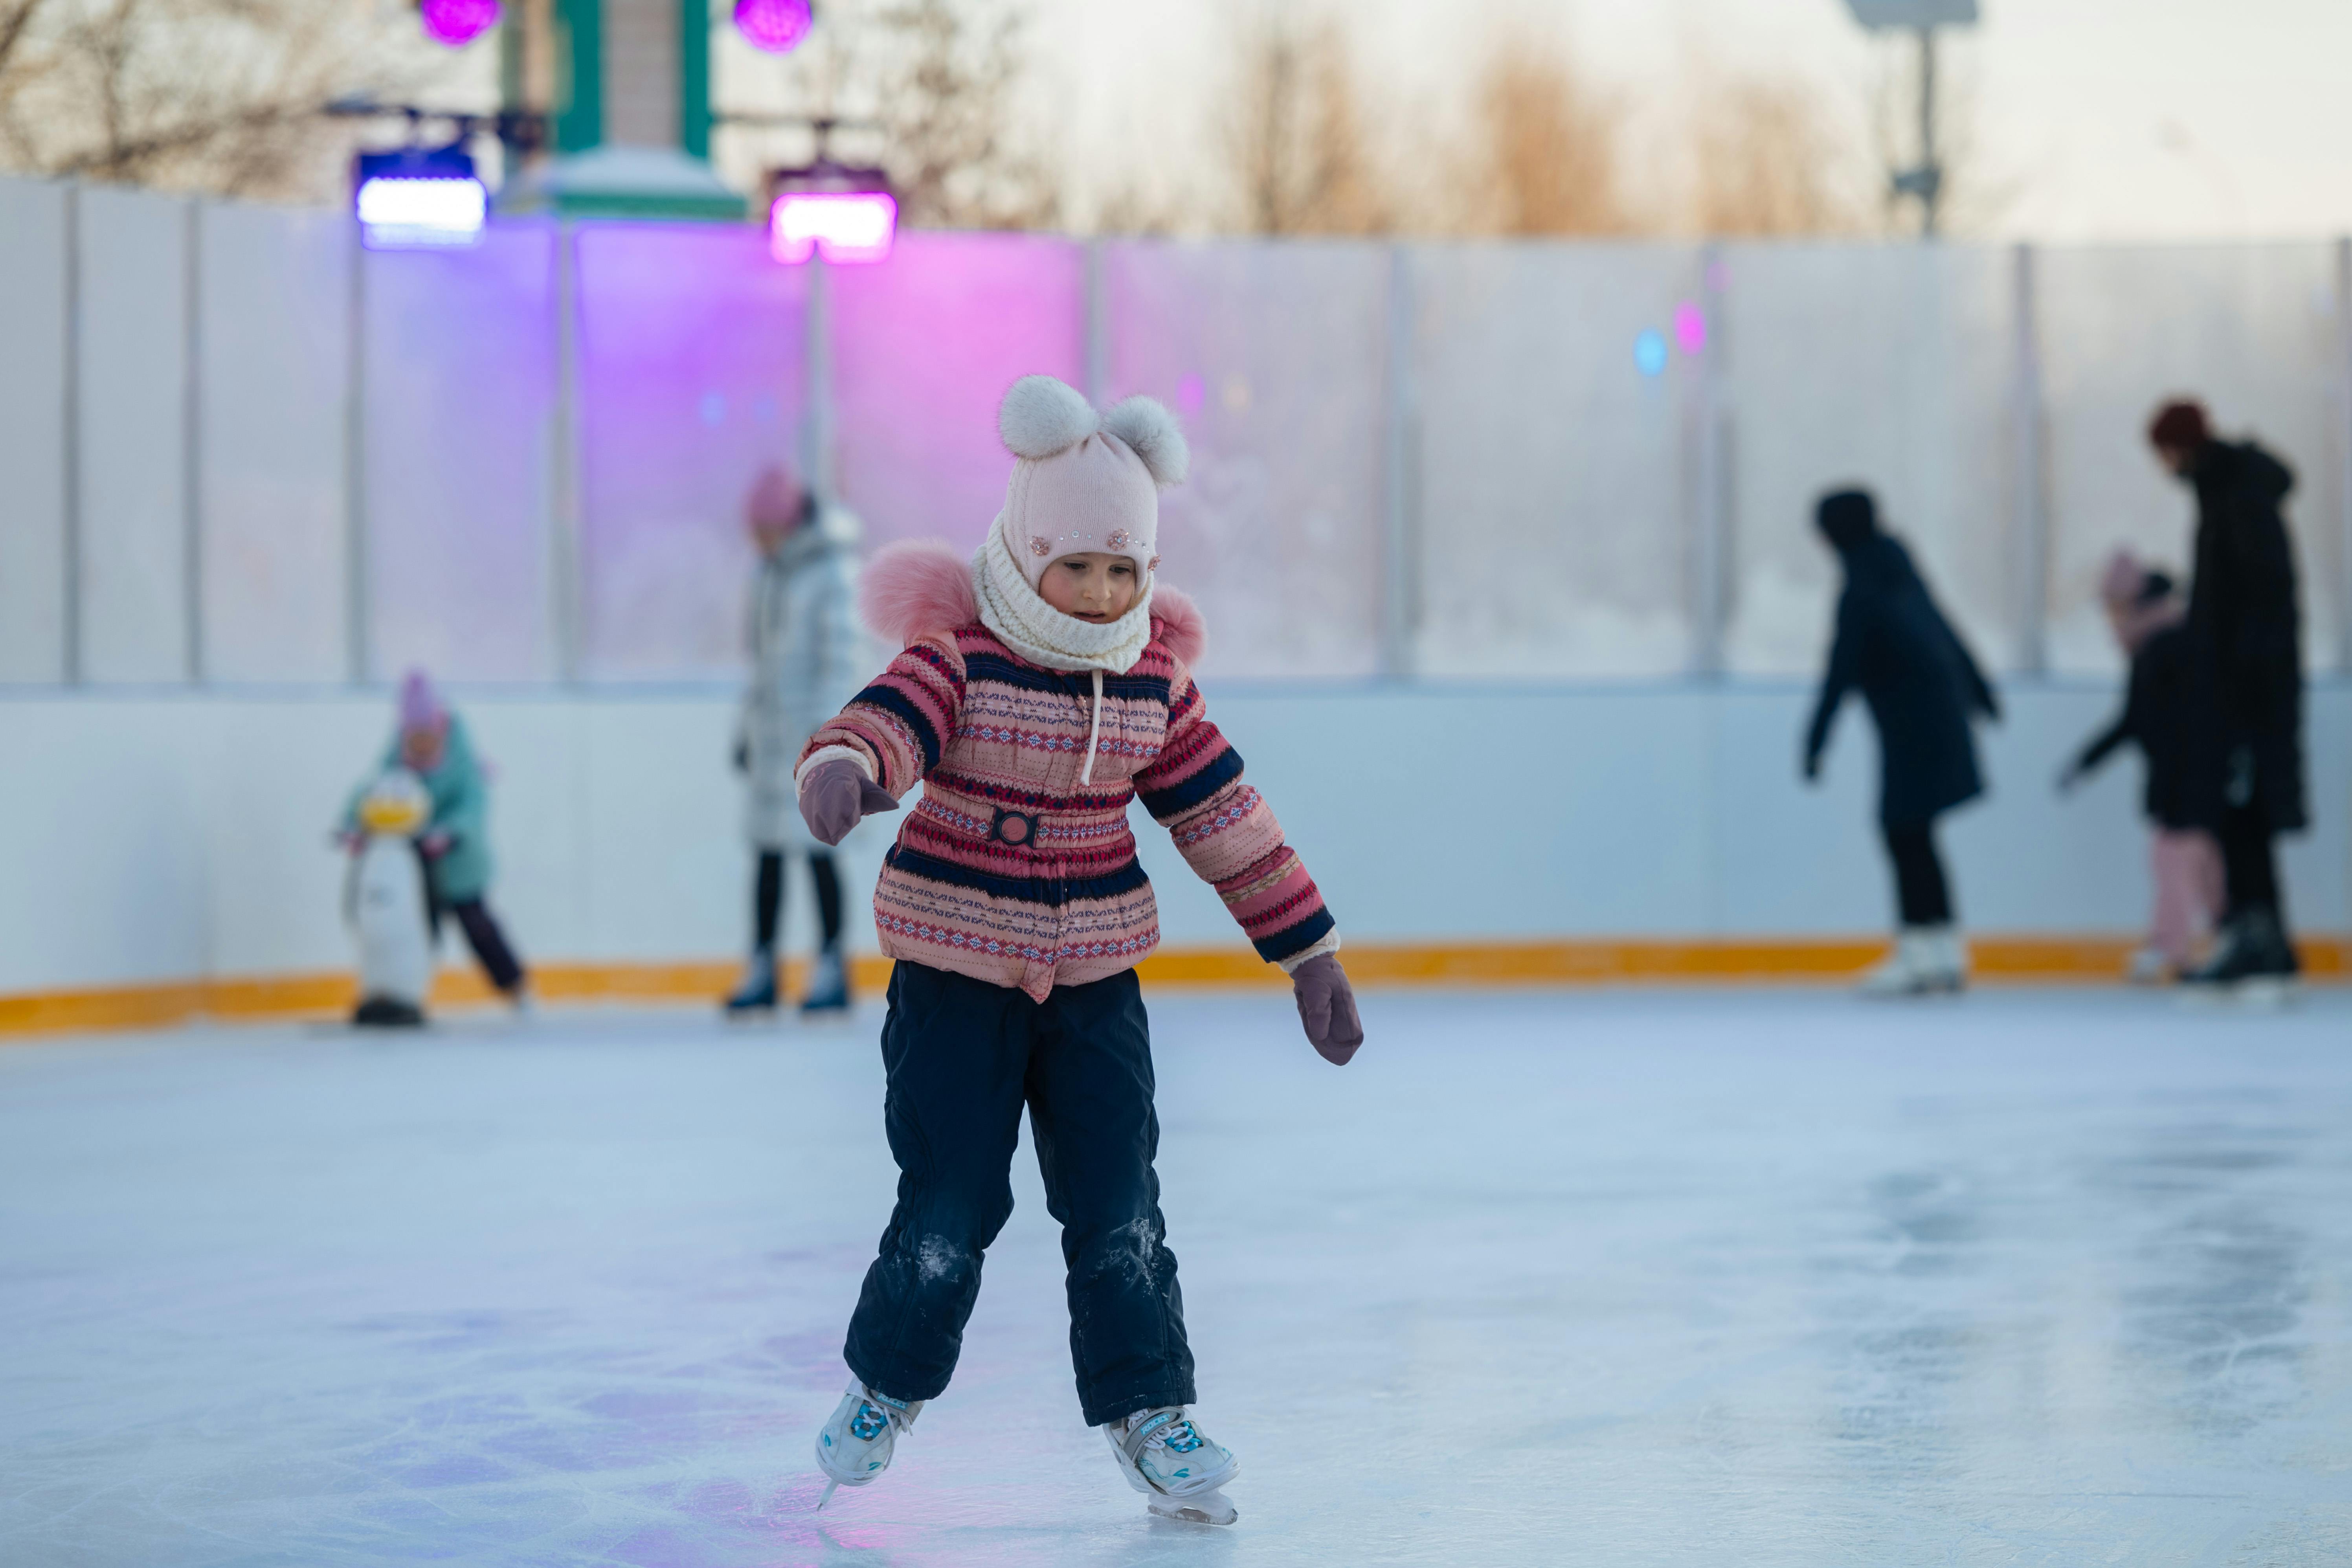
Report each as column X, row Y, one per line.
column 1708, row 1279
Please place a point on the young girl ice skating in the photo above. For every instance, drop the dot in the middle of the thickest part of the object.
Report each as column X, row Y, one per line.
column 2149, row 617
column 1045, row 683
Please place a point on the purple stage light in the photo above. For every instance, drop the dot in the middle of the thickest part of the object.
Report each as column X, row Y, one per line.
column 776, row 26
column 1690, row 329
column 457, row 23
column 842, row 226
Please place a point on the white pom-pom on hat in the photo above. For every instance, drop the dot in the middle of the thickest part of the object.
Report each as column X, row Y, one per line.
column 1041, row 415
column 1153, row 432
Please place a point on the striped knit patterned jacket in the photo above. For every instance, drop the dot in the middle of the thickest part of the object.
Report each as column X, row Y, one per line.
column 1009, row 869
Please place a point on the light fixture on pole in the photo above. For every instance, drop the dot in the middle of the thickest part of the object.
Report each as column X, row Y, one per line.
column 844, row 213
column 419, row 198
column 1924, row 179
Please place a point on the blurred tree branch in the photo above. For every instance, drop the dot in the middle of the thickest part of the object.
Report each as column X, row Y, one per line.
column 1766, row 160
column 1546, row 160
column 1295, row 138
column 207, row 94
column 939, row 81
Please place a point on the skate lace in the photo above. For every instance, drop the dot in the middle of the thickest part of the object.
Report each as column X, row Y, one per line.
column 1178, row 1437
column 868, row 1423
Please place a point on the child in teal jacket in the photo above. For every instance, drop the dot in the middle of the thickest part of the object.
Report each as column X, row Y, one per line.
column 431, row 742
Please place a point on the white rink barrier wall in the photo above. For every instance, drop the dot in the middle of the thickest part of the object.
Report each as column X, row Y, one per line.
column 162, row 838
column 239, row 448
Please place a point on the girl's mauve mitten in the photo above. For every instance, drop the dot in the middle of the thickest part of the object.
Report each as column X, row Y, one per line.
column 1326, row 1006
column 835, row 796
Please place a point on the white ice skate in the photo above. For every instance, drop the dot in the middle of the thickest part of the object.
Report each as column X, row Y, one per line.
column 1925, row 959
column 856, row 1445
column 1172, row 1463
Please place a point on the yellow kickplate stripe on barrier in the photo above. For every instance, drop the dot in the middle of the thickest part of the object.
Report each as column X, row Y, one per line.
column 2052, row 960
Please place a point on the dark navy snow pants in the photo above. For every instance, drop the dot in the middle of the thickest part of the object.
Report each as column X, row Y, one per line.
column 964, row 1057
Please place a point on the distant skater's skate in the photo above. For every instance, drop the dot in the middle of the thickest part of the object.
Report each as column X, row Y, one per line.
column 1174, row 1465
column 856, row 1445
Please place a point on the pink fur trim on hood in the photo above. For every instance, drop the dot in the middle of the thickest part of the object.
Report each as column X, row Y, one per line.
column 919, row 586
column 915, row 587
column 1176, row 622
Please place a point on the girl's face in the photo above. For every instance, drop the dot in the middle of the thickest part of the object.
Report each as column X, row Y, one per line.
column 1091, row 586
column 421, row 749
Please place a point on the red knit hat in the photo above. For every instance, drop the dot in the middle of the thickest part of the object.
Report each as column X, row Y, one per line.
column 2180, row 426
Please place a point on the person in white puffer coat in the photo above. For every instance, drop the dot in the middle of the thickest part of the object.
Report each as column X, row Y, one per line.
column 808, row 655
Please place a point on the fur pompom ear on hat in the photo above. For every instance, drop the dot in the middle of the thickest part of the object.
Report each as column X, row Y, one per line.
column 1153, row 432
column 1041, row 416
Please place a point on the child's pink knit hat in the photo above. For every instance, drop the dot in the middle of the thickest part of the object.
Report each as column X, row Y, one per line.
column 420, row 705
column 1085, row 481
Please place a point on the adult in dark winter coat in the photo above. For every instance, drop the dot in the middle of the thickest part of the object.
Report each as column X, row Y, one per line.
column 1921, row 686
column 2243, row 756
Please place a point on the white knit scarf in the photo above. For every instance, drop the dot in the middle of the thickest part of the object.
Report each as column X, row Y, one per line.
column 1026, row 624
column 1042, row 635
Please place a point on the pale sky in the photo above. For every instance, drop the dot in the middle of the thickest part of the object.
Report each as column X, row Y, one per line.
column 2101, row 119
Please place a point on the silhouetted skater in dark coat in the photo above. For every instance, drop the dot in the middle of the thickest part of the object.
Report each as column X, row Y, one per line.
column 2245, row 747
column 1921, row 687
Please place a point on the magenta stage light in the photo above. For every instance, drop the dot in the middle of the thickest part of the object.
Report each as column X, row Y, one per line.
column 1690, row 329
column 841, row 225
column 457, row 22
column 775, row 26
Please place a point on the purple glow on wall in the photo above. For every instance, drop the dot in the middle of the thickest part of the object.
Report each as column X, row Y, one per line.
column 691, row 380
column 845, row 225
column 776, row 26
column 1192, row 392
column 1690, row 329
column 457, row 23
column 922, row 351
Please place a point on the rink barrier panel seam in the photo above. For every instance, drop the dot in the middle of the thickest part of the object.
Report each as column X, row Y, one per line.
column 2002, row 959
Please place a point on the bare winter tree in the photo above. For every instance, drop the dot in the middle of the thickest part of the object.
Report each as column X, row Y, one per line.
column 948, row 109
column 212, row 95
column 1548, row 148
column 1295, row 134
column 930, row 89
column 1766, row 160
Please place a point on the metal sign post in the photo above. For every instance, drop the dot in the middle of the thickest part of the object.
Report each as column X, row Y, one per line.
column 1925, row 179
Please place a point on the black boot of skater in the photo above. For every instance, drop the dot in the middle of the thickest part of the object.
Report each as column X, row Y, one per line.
column 2253, row 948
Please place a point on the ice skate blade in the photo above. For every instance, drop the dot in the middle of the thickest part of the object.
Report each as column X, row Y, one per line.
column 1922, row 991
column 2260, row 994
column 1209, row 1507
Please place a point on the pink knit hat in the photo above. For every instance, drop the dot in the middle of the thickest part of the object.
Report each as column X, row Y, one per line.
column 420, row 705
column 1085, row 481
column 2141, row 602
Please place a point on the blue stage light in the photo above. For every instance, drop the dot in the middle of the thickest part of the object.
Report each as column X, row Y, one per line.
column 1649, row 351
column 419, row 197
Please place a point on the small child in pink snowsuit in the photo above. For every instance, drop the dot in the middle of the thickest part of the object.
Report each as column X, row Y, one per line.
column 2147, row 614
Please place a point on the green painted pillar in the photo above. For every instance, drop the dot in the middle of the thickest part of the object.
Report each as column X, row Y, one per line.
column 579, row 75
column 694, row 77
column 632, row 116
